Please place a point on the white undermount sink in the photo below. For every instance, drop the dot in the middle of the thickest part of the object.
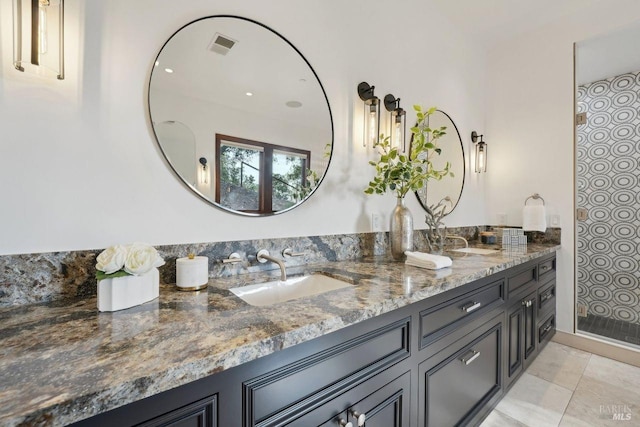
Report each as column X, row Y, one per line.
column 478, row 251
column 268, row 293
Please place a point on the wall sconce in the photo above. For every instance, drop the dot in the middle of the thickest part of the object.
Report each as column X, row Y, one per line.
column 371, row 113
column 398, row 127
column 38, row 34
column 203, row 172
column 481, row 152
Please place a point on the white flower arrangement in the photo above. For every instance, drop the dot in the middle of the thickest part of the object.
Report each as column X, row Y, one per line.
column 135, row 259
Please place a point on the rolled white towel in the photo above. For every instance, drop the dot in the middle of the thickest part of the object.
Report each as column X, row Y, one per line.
column 424, row 260
column 534, row 218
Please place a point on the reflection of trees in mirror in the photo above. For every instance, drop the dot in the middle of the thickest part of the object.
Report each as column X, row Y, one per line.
column 234, row 164
column 258, row 177
column 287, row 185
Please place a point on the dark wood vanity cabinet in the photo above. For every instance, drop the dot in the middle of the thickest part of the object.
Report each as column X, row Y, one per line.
column 530, row 315
column 443, row 361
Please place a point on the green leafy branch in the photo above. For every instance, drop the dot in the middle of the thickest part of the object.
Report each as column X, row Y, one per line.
column 399, row 172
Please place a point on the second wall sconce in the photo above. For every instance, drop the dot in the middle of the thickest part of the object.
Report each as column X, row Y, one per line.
column 371, row 113
column 481, row 152
column 398, row 128
column 203, row 172
column 38, row 36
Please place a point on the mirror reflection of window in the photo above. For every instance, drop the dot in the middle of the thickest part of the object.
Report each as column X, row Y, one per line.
column 288, row 172
column 256, row 177
column 240, row 175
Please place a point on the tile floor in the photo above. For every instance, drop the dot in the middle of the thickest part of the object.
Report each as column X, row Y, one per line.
column 567, row 387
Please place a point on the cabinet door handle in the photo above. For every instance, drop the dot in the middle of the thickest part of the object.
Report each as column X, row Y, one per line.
column 360, row 418
column 474, row 356
column 528, row 303
column 472, row 306
column 344, row 423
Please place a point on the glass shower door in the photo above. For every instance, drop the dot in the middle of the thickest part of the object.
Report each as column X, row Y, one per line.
column 608, row 197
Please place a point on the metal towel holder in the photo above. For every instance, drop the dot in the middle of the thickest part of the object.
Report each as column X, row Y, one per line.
column 534, row 196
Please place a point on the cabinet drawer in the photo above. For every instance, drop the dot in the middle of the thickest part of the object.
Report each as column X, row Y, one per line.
column 520, row 281
column 281, row 395
column 546, row 270
column 546, row 328
column 456, row 389
column 199, row 414
column 441, row 319
column 546, row 297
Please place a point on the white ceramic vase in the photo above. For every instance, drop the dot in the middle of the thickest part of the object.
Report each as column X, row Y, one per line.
column 128, row 291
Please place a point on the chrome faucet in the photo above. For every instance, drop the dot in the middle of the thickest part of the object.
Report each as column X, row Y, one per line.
column 263, row 256
column 451, row 236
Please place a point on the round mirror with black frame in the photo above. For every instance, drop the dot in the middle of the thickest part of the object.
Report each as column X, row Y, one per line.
column 260, row 116
column 453, row 152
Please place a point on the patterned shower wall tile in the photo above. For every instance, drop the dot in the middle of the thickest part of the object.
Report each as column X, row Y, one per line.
column 608, row 179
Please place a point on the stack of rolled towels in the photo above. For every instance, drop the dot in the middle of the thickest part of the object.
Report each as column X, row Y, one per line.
column 424, row 260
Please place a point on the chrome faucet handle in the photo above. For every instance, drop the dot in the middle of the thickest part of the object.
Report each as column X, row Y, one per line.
column 233, row 258
column 288, row 252
column 259, row 256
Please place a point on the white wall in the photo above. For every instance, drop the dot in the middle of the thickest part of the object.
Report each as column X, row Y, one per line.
column 79, row 167
column 530, row 126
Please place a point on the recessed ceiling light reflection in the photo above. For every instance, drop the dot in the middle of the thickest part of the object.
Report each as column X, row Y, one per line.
column 157, row 63
column 249, row 94
column 169, row 70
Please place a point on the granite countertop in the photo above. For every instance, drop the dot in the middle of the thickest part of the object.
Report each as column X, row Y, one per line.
column 64, row 361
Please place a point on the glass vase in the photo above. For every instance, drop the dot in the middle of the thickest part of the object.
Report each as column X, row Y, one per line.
column 401, row 230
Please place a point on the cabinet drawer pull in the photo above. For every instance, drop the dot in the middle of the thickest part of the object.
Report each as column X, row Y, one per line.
column 547, row 329
column 544, row 267
column 546, row 296
column 360, row 418
column 473, row 306
column 344, row 423
column 474, row 356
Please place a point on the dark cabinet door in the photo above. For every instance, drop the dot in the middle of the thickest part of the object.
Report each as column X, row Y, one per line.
column 515, row 325
column 387, row 407
column 454, row 390
column 521, row 335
